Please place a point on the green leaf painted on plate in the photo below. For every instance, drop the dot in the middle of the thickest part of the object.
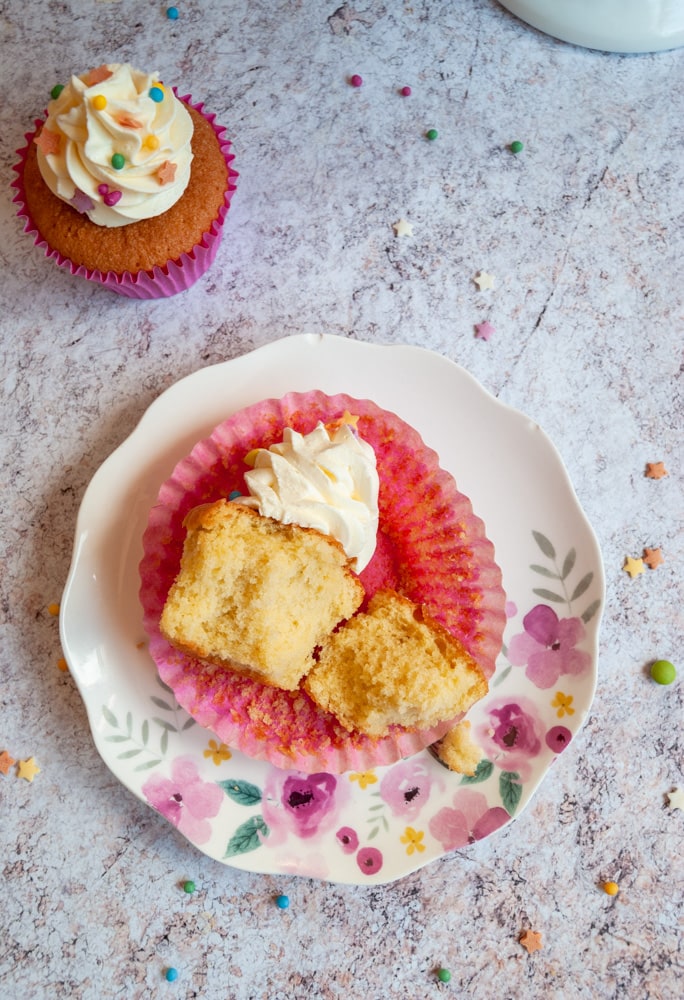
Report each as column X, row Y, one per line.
column 501, row 676
column 482, row 772
column 127, row 754
column 117, row 738
column 569, row 564
column 147, row 765
column 591, row 611
column 242, row 792
column 187, row 724
column 129, row 723
column 247, row 837
column 110, row 717
column 373, row 833
column 543, row 571
column 145, row 732
column 165, row 725
column 160, row 703
column 544, row 544
column 549, row 595
column 164, row 741
column 510, row 790
column 582, row 586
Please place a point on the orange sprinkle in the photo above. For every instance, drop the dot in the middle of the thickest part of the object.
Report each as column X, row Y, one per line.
column 53, row 609
column 611, row 888
column 62, row 664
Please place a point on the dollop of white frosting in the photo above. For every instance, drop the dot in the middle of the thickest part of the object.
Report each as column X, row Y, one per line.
column 95, row 123
column 327, row 480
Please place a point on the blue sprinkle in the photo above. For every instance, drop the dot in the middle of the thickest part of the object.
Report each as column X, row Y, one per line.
column 171, row 975
column 156, row 94
column 234, row 494
column 172, row 13
column 282, row 902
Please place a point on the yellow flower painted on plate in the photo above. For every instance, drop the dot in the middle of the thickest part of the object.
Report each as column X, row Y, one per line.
column 218, row 752
column 563, row 702
column 364, row 778
column 413, row 840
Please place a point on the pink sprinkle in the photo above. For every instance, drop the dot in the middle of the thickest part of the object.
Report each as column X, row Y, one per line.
column 484, row 330
column 356, row 80
column 405, row 91
column 103, row 189
column 112, row 197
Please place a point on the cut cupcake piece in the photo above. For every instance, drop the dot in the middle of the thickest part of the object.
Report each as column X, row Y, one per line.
column 394, row 665
column 256, row 595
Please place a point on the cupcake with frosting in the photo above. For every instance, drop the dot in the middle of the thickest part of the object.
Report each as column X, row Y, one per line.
column 125, row 183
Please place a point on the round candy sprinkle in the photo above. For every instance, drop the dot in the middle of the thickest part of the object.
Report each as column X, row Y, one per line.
column 431, row 134
column 356, row 80
column 171, row 975
column 443, row 975
column 118, row 161
column 517, row 146
column 99, row 102
column 611, row 888
column 157, row 94
column 663, row 672
column 172, row 13
column 56, row 91
column 405, row 91
column 189, row 886
column 282, row 902
column 234, row 494
column 151, row 142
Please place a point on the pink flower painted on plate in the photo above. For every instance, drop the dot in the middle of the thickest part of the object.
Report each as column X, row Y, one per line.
column 185, row 799
column 511, row 735
column 303, row 805
column 406, row 788
column 469, row 819
column 369, row 860
column 547, row 647
column 348, row 839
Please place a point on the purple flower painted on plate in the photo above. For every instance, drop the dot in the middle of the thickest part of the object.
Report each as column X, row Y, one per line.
column 300, row 804
column 469, row 819
column 547, row 647
column 511, row 735
column 369, row 860
column 185, row 799
column 406, row 788
column 347, row 839
column 558, row 738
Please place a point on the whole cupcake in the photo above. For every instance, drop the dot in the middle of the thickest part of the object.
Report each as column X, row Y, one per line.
column 125, row 183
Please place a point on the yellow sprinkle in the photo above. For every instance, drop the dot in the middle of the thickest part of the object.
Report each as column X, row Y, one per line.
column 53, row 609
column 151, row 142
column 62, row 664
column 250, row 457
column 99, row 102
column 611, row 888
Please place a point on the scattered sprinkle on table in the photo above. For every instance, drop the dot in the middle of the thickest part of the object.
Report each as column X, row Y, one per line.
column 62, row 664
column 517, row 146
column 172, row 13
column 655, row 470
column 188, row 886
column 282, row 902
column 633, row 566
column 531, row 941
column 402, row 228
column 171, row 975
column 356, row 80
column 663, row 672
column 431, row 134
column 484, row 280
column 5, row 762
column 443, row 975
column 27, row 769
column 676, row 799
column 405, row 91
column 610, row 888
column 484, row 330
column 653, row 558
column 53, row 609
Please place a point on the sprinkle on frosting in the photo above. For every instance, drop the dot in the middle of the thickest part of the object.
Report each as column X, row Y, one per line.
column 126, row 120
column 166, row 172
column 99, row 102
column 82, row 202
column 48, row 142
column 99, row 75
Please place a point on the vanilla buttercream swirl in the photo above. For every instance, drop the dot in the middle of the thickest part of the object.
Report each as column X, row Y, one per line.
column 122, row 149
column 327, row 480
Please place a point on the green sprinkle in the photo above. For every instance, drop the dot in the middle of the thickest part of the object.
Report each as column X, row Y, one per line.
column 663, row 672
column 443, row 975
column 431, row 134
column 118, row 161
column 517, row 146
column 188, row 886
column 56, row 91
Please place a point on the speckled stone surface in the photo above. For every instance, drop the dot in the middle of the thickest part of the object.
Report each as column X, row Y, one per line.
column 584, row 233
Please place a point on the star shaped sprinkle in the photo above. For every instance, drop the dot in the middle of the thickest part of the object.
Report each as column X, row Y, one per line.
column 676, row 799
column 128, row 121
column 484, row 280
column 402, row 228
column 484, row 330
column 653, row 558
column 97, row 75
column 633, row 566
column 27, row 769
column 166, row 172
column 5, row 762
column 82, row 203
column 531, row 941
column 655, row 470
column 47, row 141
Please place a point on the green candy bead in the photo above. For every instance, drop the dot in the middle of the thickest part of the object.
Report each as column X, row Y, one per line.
column 431, row 134
column 56, row 91
column 663, row 672
column 444, row 975
column 118, row 161
column 188, row 886
column 517, row 146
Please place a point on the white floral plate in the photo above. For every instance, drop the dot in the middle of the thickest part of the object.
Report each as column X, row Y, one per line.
column 378, row 825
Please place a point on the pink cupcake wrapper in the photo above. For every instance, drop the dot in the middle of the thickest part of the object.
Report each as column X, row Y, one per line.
column 452, row 572
column 160, row 282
